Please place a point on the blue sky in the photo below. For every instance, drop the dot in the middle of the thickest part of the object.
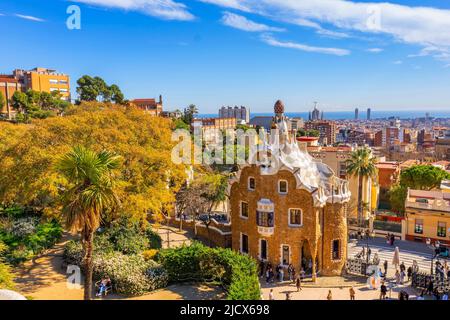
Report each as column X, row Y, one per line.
column 340, row 53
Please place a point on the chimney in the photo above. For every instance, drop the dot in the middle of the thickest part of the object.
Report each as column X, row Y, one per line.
column 160, row 100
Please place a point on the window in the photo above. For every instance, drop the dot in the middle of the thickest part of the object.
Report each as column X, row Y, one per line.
column 295, row 217
column 244, row 243
column 282, row 186
column 263, row 249
column 53, row 81
column 418, row 228
column 336, row 250
column 442, row 229
column 251, row 183
column 244, row 209
column 285, row 252
column 264, row 219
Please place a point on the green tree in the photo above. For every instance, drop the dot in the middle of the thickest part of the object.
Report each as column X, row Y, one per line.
column 96, row 89
column 189, row 113
column 91, row 194
column 420, row 177
column 361, row 164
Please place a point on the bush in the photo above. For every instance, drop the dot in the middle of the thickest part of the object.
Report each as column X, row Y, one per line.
column 149, row 254
column 154, row 239
column 6, row 277
column 130, row 274
column 237, row 273
column 27, row 237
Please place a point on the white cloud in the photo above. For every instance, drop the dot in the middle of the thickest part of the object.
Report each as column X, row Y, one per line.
column 31, row 18
column 398, row 62
column 242, row 23
column 268, row 39
column 164, row 9
column 375, row 50
column 425, row 26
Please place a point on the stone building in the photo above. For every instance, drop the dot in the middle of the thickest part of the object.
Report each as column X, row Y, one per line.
column 290, row 209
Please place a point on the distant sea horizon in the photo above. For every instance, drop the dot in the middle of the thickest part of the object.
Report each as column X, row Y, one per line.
column 350, row 115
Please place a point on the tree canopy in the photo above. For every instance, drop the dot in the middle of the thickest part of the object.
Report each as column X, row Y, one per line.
column 96, row 89
column 148, row 177
column 37, row 105
column 420, row 177
column 308, row 133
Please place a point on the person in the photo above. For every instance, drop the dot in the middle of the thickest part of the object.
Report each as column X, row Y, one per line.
column 103, row 285
column 445, row 296
column 267, row 275
column 430, row 287
column 402, row 277
column 392, row 239
column 415, row 267
column 385, row 265
column 302, row 274
column 352, row 293
column 369, row 252
column 288, row 296
column 281, row 273
column 421, row 297
column 298, row 283
column 437, row 295
column 291, row 272
column 261, row 268
column 402, row 266
column 271, row 297
column 383, row 291
column 330, row 295
column 376, row 259
column 409, row 273
column 403, row 295
column 397, row 277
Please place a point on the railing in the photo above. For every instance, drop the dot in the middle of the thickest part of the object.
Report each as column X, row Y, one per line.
column 387, row 226
column 266, row 231
column 422, row 280
column 439, row 205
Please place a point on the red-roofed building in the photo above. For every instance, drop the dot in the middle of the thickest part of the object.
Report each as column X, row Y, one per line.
column 150, row 106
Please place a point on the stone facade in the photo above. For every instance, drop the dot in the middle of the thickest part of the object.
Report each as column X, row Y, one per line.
column 313, row 239
column 291, row 210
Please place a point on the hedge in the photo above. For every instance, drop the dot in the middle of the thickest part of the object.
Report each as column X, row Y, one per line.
column 236, row 273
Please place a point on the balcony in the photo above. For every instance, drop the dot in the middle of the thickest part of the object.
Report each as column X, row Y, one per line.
column 436, row 205
column 266, row 231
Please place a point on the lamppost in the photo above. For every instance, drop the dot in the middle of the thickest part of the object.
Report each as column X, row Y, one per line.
column 428, row 241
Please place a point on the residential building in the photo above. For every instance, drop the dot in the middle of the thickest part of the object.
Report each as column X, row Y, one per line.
column 44, row 80
column 150, row 106
column 291, row 210
column 336, row 158
column 8, row 86
column 388, row 175
column 242, row 114
column 427, row 216
column 442, row 147
column 211, row 127
column 326, row 128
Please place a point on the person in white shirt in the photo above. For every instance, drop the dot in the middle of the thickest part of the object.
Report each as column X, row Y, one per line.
column 271, row 297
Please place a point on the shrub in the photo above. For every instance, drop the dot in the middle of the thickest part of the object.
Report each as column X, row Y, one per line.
column 237, row 273
column 149, row 254
column 6, row 277
column 154, row 239
column 130, row 274
column 23, row 227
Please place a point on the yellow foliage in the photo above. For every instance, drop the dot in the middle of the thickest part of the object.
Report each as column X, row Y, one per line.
column 150, row 254
column 28, row 154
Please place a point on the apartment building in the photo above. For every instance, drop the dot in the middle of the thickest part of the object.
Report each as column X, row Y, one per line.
column 150, row 106
column 327, row 130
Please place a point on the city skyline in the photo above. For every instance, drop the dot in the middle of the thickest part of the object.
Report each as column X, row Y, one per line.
column 213, row 53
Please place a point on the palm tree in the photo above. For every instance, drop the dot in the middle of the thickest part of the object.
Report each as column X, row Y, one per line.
column 91, row 194
column 363, row 165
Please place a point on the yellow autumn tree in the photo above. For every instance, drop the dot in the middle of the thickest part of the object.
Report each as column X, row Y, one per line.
column 148, row 180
